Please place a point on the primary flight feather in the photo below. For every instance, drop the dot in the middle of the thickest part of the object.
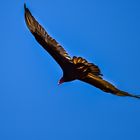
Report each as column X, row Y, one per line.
column 75, row 68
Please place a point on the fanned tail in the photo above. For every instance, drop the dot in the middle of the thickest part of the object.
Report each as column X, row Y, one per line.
column 123, row 93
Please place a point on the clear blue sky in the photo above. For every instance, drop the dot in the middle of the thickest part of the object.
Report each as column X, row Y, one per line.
column 34, row 107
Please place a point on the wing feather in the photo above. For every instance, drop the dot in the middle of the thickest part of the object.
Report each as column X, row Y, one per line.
column 47, row 42
column 86, row 66
column 105, row 86
column 96, row 81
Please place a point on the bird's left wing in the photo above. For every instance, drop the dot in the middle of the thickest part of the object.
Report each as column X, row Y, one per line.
column 47, row 42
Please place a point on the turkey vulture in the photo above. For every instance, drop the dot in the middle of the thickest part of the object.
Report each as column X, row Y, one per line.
column 75, row 68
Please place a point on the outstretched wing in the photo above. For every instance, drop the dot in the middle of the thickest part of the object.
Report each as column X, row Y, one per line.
column 83, row 65
column 47, row 42
column 91, row 74
column 105, row 86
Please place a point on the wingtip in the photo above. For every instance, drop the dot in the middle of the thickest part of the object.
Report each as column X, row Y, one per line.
column 25, row 6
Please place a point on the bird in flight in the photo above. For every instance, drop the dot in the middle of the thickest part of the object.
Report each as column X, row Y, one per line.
column 74, row 68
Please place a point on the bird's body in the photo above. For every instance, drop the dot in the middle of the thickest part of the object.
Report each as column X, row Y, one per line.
column 75, row 68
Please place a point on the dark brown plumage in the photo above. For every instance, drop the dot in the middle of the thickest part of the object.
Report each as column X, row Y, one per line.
column 75, row 68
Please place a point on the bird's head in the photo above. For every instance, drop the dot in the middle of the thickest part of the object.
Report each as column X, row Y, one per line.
column 62, row 80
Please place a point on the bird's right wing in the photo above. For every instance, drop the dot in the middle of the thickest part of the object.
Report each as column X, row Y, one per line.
column 85, row 66
column 105, row 85
column 47, row 42
column 98, row 82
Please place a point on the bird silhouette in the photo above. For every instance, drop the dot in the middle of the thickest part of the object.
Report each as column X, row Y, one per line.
column 74, row 68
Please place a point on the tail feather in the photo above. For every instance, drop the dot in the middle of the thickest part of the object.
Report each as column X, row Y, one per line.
column 123, row 93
